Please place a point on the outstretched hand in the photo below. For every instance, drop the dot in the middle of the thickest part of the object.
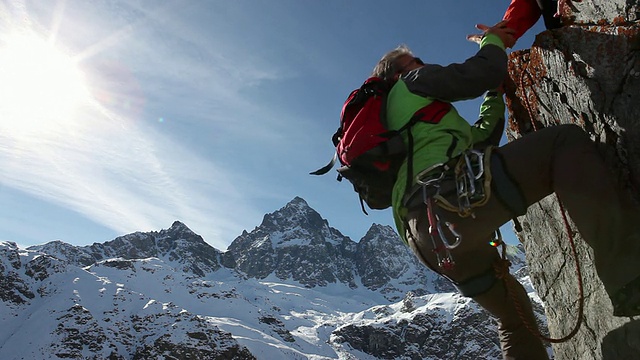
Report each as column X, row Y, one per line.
column 500, row 29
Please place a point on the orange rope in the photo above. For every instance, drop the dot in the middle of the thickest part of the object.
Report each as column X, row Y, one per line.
column 527, row 105
column 502, row 268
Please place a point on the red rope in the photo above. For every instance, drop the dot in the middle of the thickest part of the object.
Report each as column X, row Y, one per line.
column 502, row 268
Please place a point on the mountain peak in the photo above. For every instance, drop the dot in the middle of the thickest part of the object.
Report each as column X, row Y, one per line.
column 382, row 229
column 179, row 230
column 297, row 213
column 297, row 205
column 177, row 225
column 298, row 201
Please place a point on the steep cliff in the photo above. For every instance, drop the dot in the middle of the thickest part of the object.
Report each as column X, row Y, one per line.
column 587, row 73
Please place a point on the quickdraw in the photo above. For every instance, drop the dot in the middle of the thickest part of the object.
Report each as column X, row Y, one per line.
column 469, row 174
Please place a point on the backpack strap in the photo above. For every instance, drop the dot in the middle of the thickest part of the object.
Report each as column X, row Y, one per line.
column 325, row 169
column 431, row 114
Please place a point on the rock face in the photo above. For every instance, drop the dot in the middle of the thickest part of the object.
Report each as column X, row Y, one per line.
column 588, row 74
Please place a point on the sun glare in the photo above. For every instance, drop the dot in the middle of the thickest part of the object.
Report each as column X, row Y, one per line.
column 40, row 86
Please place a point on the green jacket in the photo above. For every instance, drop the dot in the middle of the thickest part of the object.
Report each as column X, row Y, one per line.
column 437, row 143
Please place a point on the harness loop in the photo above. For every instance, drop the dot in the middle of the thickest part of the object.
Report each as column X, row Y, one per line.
column 472, row 188
column 472, row 178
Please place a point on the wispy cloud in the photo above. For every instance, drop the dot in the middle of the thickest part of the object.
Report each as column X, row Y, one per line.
column 117, row 165
column 124, row 176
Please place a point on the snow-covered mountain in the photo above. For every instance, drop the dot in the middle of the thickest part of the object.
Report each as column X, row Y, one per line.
column 292, row 288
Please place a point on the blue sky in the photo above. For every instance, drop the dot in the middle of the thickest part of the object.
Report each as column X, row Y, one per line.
column 208, row 112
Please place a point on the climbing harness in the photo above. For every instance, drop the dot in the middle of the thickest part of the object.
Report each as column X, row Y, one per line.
column 472, row 177
column 468, row 173
column 472, row 189
column 430, row 187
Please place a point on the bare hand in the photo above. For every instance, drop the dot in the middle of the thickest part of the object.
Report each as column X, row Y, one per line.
column 476, row 38
column 500, row 29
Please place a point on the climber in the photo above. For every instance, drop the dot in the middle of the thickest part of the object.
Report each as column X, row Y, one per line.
column 521, row 15
column 450, row 198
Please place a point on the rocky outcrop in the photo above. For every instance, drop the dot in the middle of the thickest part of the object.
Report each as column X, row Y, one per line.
column 190, row 338
column 296, row 243
column 13, row 289
column 427, row 330
column 170, row 334
column 177, row 243
column 588, row 74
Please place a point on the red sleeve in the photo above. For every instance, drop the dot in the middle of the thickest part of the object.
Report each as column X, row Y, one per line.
column 521, row 15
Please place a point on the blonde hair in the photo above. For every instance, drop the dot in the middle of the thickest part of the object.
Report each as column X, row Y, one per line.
column 386, row 68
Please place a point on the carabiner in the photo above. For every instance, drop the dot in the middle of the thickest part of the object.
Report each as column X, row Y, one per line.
column 443, row 236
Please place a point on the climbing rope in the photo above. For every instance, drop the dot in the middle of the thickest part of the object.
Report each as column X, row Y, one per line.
column 502, row 267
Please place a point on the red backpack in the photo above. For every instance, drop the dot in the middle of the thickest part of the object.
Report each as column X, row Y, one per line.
column 370, row 153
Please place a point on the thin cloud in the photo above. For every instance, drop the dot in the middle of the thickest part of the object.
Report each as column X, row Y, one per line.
column 111, row 165
column 123, row 176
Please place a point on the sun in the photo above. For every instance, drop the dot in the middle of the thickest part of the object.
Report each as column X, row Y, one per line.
column 40, row 86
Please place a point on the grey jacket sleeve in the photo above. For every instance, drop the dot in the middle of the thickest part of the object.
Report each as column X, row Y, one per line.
column 470, row 79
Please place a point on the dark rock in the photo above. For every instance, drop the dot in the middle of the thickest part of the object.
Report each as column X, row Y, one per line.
column 13, row 288
column 178, row 243
column 425, row 333
column 120, row 264
column 295, row 242
column 587, row 74
column 43, row 266
column 207, row 342
column 278, row 327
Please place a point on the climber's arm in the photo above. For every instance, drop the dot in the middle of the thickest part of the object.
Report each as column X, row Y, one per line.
column 521, row 15
column 490, row 126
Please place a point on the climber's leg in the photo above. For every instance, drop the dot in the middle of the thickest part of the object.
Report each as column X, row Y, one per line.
column 563, row 159
column 474, row 275
column 517, row 339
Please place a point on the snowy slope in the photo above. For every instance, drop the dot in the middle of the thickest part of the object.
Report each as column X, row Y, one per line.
column 293, row 288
